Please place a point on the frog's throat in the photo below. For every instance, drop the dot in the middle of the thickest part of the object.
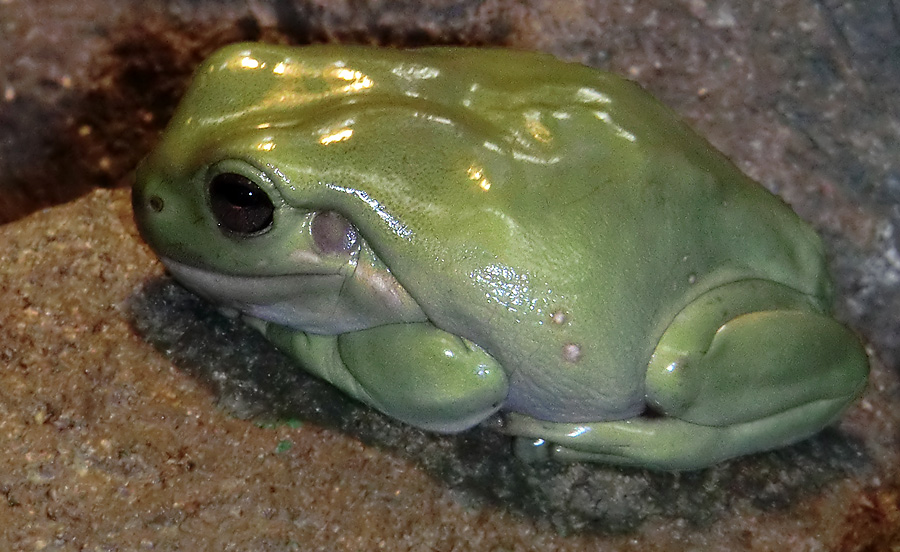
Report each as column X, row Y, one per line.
column 311, row 302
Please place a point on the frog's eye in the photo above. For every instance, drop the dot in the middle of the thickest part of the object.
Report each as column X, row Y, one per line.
column 332, row 233
column 239, row 204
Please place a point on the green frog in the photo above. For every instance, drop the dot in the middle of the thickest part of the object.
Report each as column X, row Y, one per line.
column 455, row 234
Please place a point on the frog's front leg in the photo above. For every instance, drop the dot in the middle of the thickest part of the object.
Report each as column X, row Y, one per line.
column 747, row 367
column 414, row 372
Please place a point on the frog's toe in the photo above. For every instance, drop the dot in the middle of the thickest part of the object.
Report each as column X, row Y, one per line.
column 531, row 450
column 228, row 312
column 255, row 323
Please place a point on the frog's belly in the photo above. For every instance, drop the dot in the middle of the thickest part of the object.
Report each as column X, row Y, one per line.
column 589, row 369
column 571, row 401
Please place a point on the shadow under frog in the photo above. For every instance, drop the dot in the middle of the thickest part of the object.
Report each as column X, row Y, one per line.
column 253, row 380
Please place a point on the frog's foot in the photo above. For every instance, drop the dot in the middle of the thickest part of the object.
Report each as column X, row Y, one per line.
column 645, row 443
column 414, row 372
column 661, row 443
column 767, row 379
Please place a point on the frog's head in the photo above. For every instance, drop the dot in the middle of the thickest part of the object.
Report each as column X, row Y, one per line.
column 228, row 233
column 221, row 210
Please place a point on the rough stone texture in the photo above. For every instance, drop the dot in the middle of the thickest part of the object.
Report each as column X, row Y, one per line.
column 110, row 375
column 112, row 439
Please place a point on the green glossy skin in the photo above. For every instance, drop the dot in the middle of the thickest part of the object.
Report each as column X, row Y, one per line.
column 535, row 237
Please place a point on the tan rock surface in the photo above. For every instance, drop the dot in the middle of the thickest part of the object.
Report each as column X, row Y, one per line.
column 109, row 446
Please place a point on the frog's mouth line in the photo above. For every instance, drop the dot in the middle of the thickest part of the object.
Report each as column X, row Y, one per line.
column 314, row 302
column 249, row 289
column 287, row 299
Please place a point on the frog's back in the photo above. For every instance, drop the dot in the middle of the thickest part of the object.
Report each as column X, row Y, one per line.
column 558, row 216
column 591, row 216
column 624, row 216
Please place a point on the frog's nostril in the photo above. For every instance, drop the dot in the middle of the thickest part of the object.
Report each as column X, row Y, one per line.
column 156, row 203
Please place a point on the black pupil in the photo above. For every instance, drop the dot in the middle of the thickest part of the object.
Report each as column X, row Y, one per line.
column 239, row 204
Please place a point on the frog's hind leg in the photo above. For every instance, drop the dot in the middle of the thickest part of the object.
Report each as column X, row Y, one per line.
column 761, row 380
column 662, row 443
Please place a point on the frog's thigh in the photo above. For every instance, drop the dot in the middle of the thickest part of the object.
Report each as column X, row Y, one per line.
column 425, row 376
column 759, row 365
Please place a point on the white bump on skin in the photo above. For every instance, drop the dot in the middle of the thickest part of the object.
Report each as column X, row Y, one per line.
column 558, row 317
column 571, row 352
